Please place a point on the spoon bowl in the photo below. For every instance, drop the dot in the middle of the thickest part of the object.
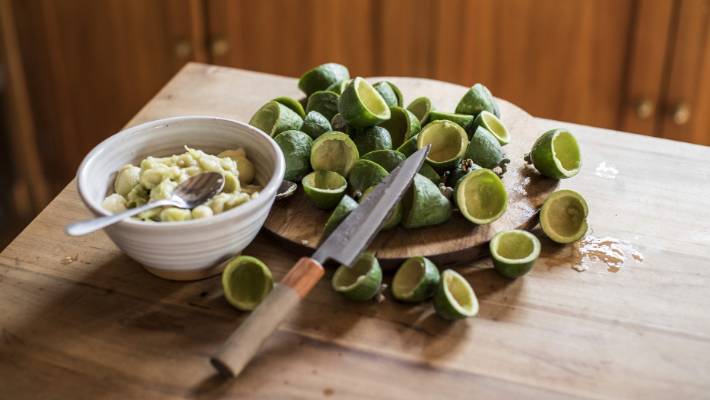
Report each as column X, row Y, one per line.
column 194, row 191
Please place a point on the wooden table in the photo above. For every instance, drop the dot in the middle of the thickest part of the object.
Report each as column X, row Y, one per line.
column 79, row 320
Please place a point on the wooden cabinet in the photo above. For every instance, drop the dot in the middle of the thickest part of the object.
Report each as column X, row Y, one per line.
column 637, row 65
column 91, row 65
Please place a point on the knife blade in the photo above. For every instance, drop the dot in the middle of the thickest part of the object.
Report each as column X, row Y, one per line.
column 356, row 232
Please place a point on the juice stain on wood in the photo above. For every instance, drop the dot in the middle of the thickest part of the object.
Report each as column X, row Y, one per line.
column 580, row 256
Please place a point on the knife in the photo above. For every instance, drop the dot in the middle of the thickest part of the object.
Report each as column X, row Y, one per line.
column 344, row 245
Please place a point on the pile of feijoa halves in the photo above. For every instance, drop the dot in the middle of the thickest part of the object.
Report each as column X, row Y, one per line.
column 347, row 135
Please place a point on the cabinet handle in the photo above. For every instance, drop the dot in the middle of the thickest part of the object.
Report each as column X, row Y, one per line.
column 182, row 49
column 645, row 108
column 219, row 47
column 681, row 113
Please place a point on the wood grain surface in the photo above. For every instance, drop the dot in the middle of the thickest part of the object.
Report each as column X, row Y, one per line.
column 80, row 320
column 298, row 221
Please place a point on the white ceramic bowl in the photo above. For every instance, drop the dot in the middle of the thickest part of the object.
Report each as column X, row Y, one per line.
column 191, row 249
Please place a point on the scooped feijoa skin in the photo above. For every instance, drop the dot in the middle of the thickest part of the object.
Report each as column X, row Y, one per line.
column 402, row 125
column 448, row 143
column 416, row 280
column 514, row 252
column 362, row 281
column 361, row 105
column 420, row 107
column 556, row 154
column 390, row 93
column 293, row 104
column 424, row 205
column 563, row 216
column 322, row 77
column 274, row 118
column 246, row 281
column 334, row 151
column 481, row 196
column 365, row 174
column 454, row 298
column 463, row 120
column 324, row 188
column 325, row 102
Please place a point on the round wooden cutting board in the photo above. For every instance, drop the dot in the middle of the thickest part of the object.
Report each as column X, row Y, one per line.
column 298, row 222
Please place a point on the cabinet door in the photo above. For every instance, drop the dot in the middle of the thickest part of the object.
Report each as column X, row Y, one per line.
column 92, row 64
column 686, row 106
column 557, row 59
column 287, row 37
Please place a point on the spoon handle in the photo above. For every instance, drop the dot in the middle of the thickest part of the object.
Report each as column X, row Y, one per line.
column 90, row 225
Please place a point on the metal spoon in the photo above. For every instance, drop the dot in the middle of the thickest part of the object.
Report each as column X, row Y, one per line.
column 286, row 189
column 189, row 194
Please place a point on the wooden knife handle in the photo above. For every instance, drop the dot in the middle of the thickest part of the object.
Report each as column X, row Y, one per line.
column 241, row 345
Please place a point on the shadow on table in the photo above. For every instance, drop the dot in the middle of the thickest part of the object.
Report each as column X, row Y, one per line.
column 117, row 315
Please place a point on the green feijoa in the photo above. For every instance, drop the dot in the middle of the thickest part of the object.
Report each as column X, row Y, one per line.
column 296, row 147
column 421, row 107
column 402, row 125
column 387, row 159
column 364, row 174
column 315, row 124
column 321, row 77
column 390, row 93
column 293, row 104
column 478, row 98
column 371, row 139
column 346, row 205
column 338, row 87
column 424, row 205
column 393, row 217
column 485, row 150
column 460, row 170
column 361, row 105
column 325, row 102
column 409, row 146
column 274, row 118
column 429, row 172
column 462, row 120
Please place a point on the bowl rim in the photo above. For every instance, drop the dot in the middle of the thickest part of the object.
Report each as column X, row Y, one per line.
column 265, row 195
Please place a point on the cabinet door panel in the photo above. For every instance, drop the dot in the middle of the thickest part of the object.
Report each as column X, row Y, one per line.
column 91, row 65
column 557, row 59
column 287, row 37
column 687, row 102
